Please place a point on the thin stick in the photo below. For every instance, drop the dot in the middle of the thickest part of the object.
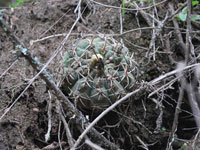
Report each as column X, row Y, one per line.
column 38, row 66
column 93, row 145
column 128, row 9
column 153, row 82
column 47, row 135
column 59, row 140
column 72, row 111
column 177, row 30
column 193, row 103
column 176, row 116
column 103, row 114
column 68, row 132
column 188, row 37
column 157, row 80
column 8, row 68
column 143, row 144
column 121, row 23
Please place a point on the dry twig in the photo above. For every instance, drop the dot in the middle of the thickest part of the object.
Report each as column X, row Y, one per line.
column 142, row 88
column 72, row 111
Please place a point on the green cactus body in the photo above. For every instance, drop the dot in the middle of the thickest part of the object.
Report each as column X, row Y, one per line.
column 98, row 72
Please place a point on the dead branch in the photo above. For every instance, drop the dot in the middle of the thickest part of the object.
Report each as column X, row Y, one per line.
column 139, row 90
column 72, row 111
column 177, row 31
column 188, row 37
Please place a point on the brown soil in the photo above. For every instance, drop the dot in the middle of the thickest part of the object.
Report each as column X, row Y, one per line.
column 25, row 125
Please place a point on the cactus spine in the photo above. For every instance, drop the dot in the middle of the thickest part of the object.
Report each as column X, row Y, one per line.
column 98, row 72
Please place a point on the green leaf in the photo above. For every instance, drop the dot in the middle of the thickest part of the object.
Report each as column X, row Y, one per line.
column 183, row 15
column 18, row 3
column 195, row 17
column 123, row 6
column 184, row 11
column 194, row 3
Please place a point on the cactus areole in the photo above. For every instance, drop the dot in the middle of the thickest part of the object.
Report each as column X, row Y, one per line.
column 98, row 72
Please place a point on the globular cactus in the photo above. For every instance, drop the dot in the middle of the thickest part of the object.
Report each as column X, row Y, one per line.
column 98, row 72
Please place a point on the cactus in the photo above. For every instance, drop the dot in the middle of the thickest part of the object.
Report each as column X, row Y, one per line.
column 98, row 72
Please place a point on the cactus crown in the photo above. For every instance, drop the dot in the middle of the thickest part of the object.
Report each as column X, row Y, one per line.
column 98, row 71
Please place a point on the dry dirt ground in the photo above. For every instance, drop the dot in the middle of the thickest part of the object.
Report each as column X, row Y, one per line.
column 139, row 123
